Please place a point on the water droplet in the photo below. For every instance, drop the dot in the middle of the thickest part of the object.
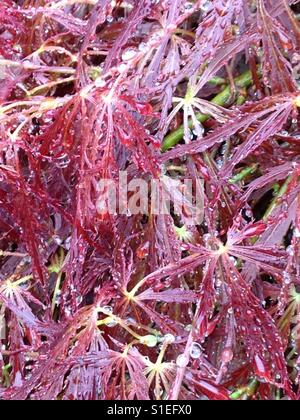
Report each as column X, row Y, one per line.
column 108, row 309
column 169, row 338
column 206, row 6
column 63, row 161
column 227, row 355
column 143, row 47
column 112, row 323
column 195, row 351
column 99, row 82
column 57, row 239
column 286, row 277
column 182, row 361
column 79, row 300
column 188, row 6
column 129, row 54
column 18, row 380
column 67, row 243
column 122, row 67
column 149, row 340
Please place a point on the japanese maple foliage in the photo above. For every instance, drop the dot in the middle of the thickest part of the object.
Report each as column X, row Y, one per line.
column 117, row 306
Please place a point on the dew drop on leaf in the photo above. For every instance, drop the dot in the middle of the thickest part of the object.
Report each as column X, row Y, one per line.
column 143, row 47
column 227, row 355
column 149, row 340
column 182, row 361
column 169, row 338
column 108, row 309
column 129, row 54
column 100, row 82
column 195, row 351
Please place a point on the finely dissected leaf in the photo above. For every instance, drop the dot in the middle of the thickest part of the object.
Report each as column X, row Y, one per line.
column 266, row 129
column 208, row 388
column 212, row 30
column 252, row 113
column 12, row 28
column 275, row 67
column 136, row 17
column 149, row 200
column 256, row 328
column 225, row 53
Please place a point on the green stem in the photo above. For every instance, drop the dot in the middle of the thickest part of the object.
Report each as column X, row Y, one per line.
column 5, row 375
column 56, row 292
column 246, row 391
column 242, row 81
column 217, row 81
column 278, row 194
column 249, row 170
column 274, row 202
